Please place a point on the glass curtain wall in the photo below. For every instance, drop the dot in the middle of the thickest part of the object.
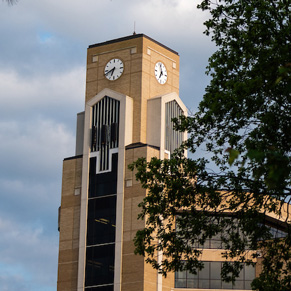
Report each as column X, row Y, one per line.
column 101, row 220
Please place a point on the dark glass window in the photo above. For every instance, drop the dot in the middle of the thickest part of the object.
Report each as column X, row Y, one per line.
column 101, row 220
column 105, row 120
column 173, row 138
column 103, row 183
column 101, row 288
column 181, row 279
column 277, row 233
column 209, row 278
column 215, row 242
column 100, row 265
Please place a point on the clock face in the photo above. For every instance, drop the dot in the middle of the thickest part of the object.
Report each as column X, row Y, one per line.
column 161, row 73
column 113, row 69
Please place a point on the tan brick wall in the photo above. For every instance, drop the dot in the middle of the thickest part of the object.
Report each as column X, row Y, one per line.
column 136, row 274
column 69, row 225
column 169, row 281
column 138, row 80
column 132, row 265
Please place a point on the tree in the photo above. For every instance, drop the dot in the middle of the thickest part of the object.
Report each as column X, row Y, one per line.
column 11, row 2
column 243, row 123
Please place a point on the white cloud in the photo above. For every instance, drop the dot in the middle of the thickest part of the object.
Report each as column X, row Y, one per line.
column 34, row 147
column 57, row 89
column 113, row 18
column 23, row 251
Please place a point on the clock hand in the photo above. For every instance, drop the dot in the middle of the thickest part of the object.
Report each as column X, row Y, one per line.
column 110, row 71
column 161, row 69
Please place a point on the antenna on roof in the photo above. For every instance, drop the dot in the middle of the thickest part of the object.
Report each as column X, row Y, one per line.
column 134, row 28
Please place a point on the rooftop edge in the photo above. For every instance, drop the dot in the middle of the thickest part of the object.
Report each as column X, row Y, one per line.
column 131, row 37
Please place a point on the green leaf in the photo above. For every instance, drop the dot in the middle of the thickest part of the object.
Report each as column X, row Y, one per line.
column 233, row 155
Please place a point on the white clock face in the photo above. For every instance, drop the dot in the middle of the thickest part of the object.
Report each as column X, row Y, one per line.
column 161, row 73
column 113, row 69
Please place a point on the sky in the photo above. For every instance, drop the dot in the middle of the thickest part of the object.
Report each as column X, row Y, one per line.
column 43, row 47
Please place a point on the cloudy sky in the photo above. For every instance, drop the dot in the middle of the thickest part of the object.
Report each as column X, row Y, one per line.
column 42, row 83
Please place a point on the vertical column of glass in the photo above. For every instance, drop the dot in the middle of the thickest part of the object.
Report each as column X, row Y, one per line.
column 173, row 138
column 105, row 120
column 101, row 225
column 101, row 220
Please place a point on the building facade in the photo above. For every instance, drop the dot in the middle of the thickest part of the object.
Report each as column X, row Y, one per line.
column 132, row 93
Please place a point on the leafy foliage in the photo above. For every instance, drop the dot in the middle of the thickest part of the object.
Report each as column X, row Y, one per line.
column 11, row 2
column 243, row 124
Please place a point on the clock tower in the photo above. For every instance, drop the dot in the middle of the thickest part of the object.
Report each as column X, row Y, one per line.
column 132, row 89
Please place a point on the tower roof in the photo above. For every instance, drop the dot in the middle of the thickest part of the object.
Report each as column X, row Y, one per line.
column 131, row 37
